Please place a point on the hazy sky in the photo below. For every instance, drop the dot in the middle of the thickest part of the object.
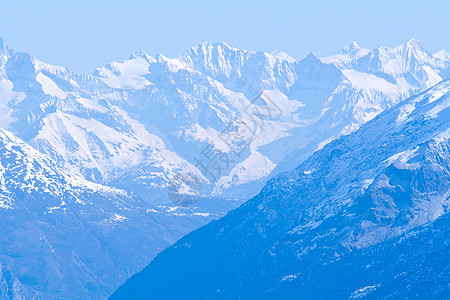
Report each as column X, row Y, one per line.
column 83, row 35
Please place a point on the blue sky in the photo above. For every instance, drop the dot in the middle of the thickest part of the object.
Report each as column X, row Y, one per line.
column 83, row 35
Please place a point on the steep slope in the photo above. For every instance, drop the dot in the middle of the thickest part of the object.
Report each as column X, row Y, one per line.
column 64, row 237
column 330, row 100
column 87, row 125
column 413, row 265
column 363, row 84
column 353, row 206
column 58, row 113
column 144, row 122
column 194, row 98
column 409, row 62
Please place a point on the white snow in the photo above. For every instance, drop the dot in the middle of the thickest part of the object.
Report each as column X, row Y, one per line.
column 346, row 55
column 104, row 133
column 362, row 80
column 7, row 95
column 435, row 95
column 364, row 291
column 125, row 75
column 202, row 214
column 254, row 167
column 50, row 87
column 400, row 160
column 289, row 277
column 282, row 56
column 92, row 104
column 405, row 111
column 443, row 55
column 443, row 135
column 436, row 110
column 118, row 218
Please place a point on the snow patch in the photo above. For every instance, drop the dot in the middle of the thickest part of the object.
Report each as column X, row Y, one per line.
column 118, row 218
column 50, row 87
column 363, row 292
column 281, row 55
column 125, row 75
column 362, row 80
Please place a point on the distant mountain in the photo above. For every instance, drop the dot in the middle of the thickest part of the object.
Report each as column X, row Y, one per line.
column 365, row 216
column 140, row 123
column 192, row 136
column 63, row 237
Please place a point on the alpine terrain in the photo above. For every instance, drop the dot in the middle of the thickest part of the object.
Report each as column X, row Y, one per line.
column 367, row 216
column 101, row 172
column 65, row 237
column 229, row 119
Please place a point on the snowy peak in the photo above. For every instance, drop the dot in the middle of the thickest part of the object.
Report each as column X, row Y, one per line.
column 208, row 49
column 159, row 111
column 142, row 54
column 349, row 48
column 408, row 56
column 161, row 58
column 128, row 75
column 207, row 53
column 346, row 55
column 311, row 58
column 412, row 51
column 25, row 71
column 281, row 55
column 409, row 63
column 241, row 70
column 312, row 61
column 442, row 55
column 24, row 168
column 374, row 187
column 217, row 60
column 413, row 44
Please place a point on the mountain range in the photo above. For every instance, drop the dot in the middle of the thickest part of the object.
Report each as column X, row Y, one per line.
column 140, row 123
column 367, row 216
column 101, row 172
column 65, row 237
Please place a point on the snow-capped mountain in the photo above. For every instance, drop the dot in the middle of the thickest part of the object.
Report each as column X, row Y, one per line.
column 214, row 123
column 140, row 123
column 62, row 237
column 367, row 215
column 365, row 84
